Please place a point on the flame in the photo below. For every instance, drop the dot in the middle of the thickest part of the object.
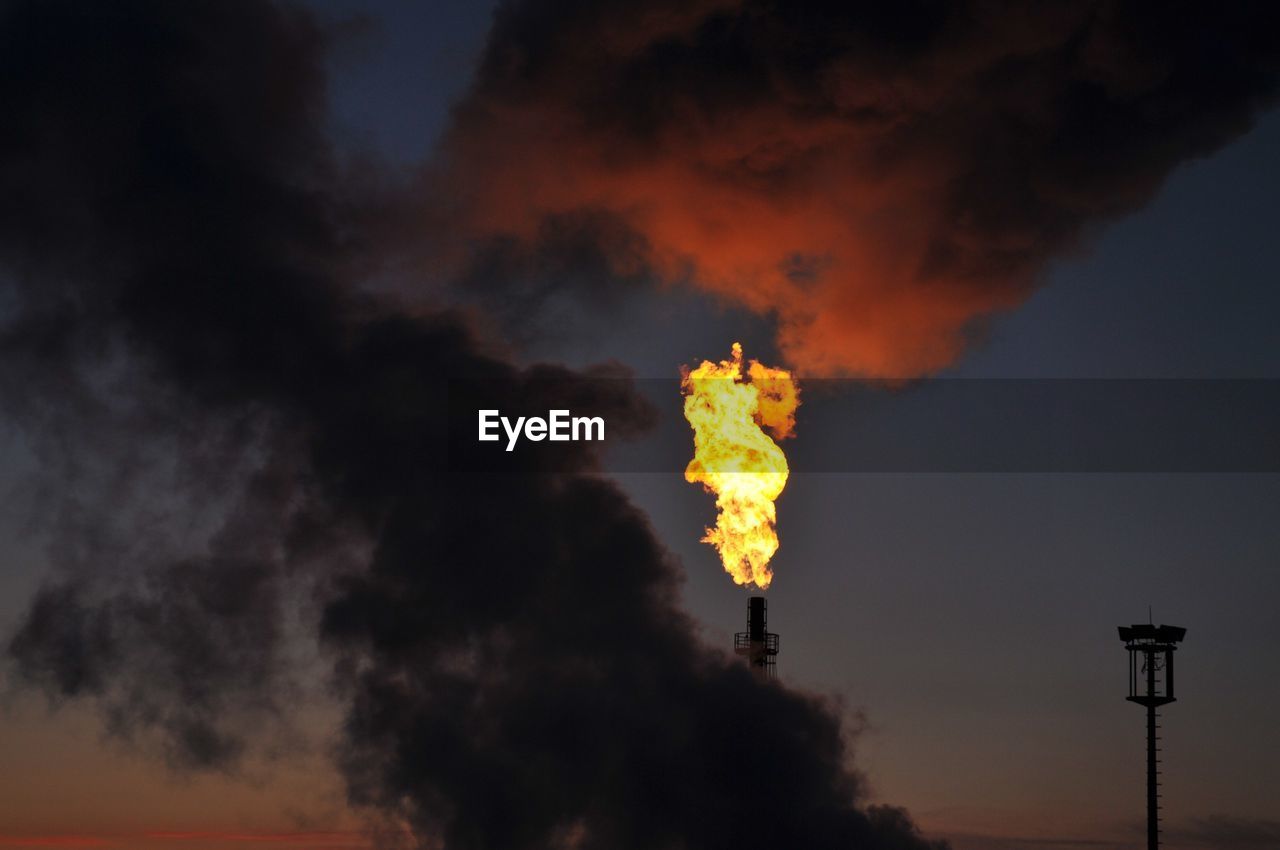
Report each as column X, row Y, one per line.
column 735, row 459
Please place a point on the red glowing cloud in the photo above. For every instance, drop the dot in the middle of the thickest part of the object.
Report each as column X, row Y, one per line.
column 878, row 178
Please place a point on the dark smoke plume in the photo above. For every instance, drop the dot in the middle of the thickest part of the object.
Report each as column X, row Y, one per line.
column 182, row 320
column 880, row 176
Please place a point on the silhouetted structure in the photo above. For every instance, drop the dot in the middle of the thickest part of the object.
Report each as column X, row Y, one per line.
column 757, row 643
column 1151, row 651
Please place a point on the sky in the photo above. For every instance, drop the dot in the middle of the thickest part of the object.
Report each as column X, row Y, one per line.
column 960, row 626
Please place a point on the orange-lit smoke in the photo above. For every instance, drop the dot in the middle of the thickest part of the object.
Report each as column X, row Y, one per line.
column 833, row 250
column 879, row 178
column 737, row 460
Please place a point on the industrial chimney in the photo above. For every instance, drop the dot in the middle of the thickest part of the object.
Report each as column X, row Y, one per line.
column 757, row 643
column 1151, row 651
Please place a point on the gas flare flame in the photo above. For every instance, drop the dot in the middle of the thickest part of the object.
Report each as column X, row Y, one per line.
column 737, row 460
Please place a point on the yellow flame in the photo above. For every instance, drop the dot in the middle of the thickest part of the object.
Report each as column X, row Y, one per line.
column 735, row 459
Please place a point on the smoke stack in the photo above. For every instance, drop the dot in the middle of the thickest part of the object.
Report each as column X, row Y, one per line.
column 757, row 643
column 1151, row 651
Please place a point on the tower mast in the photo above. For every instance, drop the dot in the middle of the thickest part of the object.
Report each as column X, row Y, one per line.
column 1151, row 651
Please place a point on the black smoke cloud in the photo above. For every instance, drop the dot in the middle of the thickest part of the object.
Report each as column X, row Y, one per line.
column 878, row 176
column 181, row 260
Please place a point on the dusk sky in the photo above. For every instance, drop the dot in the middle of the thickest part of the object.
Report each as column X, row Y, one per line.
column 247, row 600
